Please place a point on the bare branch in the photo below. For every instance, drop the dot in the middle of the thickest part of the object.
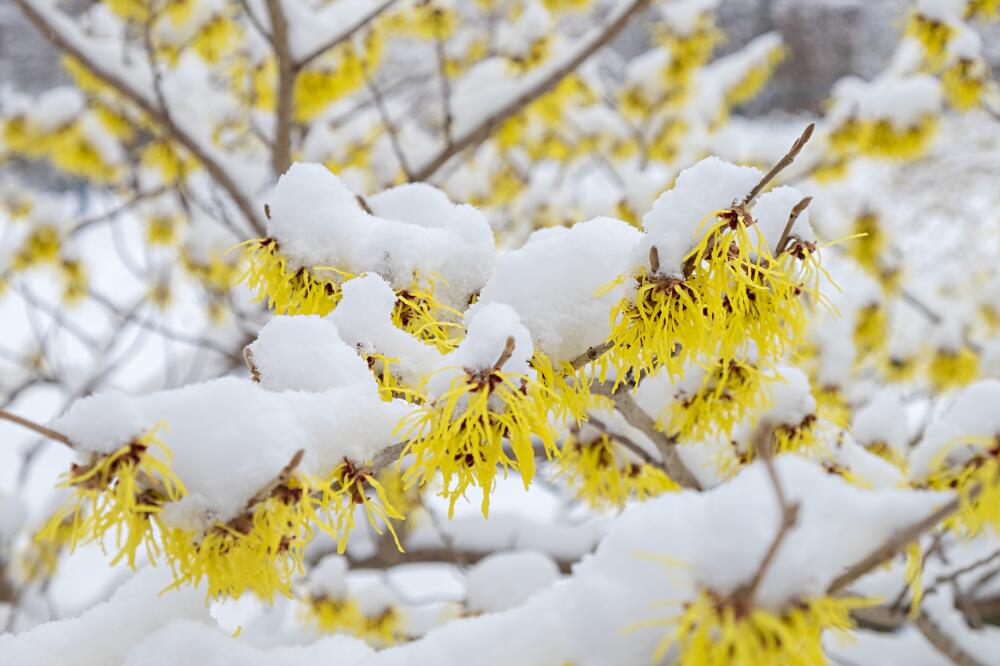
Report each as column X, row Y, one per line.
column 944, row 643
column 281, row 154
column 895, row 543
column 214, row 169
column 782, row 164
column 349, row 32
column 667, row 446
column 625, row 441
column 797, row 210
column 36, row 427
column 476, row 135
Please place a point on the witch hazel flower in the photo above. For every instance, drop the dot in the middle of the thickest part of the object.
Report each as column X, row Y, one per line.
column 479, row 396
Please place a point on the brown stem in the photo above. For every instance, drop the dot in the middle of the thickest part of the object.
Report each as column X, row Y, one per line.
column 476, row 135
column 214, row 169
column 282, row 477
column 895, row 543
column 799, row 208
column 36, row 427
column 944, row 643
column 638, row 418
column 345, row 35
column 508, row 351
column 281, row 154
column 625, row 441
column 782, row 164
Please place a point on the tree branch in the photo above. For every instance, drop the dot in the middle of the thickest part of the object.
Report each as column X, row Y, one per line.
column 782, row 164
column 36, row 427
column 476, row 135
column 281, row 153
column 345, row 35
column 214, row 169
column 944, row 643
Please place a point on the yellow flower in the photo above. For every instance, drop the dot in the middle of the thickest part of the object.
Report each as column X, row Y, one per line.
column 950, row 369
column 730, row 391
column 461, row 432
column 712, row 630
column 331, row 615
column 964, row 84
column 347, row 487
column 418, row 311
column 287, row 292
column 933, row 34
column 120, row 493
column 260, row 550
column 755, row 78
column 603, row 475
column 871, row 327
column 977, row 482
column 41, row 246
column 74, row 278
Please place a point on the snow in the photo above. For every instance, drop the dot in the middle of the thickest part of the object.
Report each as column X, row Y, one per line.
column 506, row 580
column 553, row 279
column 105, row 633
column 306, row 354
column 680, row 216
column 415, row 231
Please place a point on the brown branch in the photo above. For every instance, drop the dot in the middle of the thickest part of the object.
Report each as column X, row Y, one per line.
column 763, row 442
column 506, row 353
column 895, row 543
column 782, row 164
column 456, row 556
column 117, row 210
column 638, row 418
column 390, row 126
column 592, row 354
column 282, row 477
column 214, row 169
column 797, row 210
column 36, row 427
column 625, row 441
column 345, row 35
column 446, row 115
column 476, row 135
column 281, row 154
column 944, row 643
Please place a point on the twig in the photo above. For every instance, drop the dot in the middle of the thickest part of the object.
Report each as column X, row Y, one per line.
column 592, row 354
column 944, row 643
column 214, row 169
column 36, row 427
column 281, row 155
column 638, row 418
column 476, row 135
column 345, row 35
column 792, row 217
column 625, row 441
column 508, row 351
column 763, row 442
column 895, row 543
column 445, row 89
column 782, row 164
column 390, row 126
column 282, row 477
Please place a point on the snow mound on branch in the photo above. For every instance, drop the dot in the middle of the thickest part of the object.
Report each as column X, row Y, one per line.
column 364, row 319
column 552, row 282
column 506, row 580
column 488, row 330
column 970, row 424
column 186, row 642
column 105, row 633
column 229, row 437
column 413, row 231
column 657, row 553
column 683, row 214
column 305, row 353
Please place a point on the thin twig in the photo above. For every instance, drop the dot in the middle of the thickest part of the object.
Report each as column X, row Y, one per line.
column 782, row 164
column 625, row 441
column 345, row 35
column 214, row 169
column 282, row 477
column 36, row 427
column 482, row 131
column 281, row 154
column 895, row 543
column 944, row 643
column 506, row 353
column 792, row 217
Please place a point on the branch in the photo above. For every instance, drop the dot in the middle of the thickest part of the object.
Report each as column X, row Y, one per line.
column 345, row 35
column 36, row 427
column 944, row 643
column 625, row 441
column 639, row 419
column 479, row 133
column 782, row 164
column 896, row 542
column 764, row 440
column 458, row 557
column 214, row 169
column 797, row 210
column 281, row 155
